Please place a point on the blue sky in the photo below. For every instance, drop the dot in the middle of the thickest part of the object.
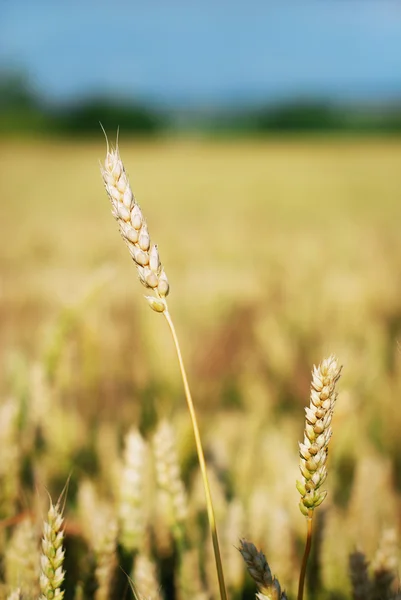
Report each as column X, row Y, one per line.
column 207, row 52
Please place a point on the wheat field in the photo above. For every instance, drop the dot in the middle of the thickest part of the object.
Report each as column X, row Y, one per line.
column 279, row 253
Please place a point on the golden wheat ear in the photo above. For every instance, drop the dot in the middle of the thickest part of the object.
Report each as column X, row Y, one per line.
column 314, row 449
column 52, row 556
column 134, row 230
column 145, row 255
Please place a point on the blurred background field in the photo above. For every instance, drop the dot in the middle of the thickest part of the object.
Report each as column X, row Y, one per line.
column 278, row 254
column 269, row 175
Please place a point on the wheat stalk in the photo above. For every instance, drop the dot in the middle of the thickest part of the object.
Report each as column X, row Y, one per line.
column 52, row 557
column 314, row 449
column 135, row 234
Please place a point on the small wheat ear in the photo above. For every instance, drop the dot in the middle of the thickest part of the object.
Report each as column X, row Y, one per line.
column 258, row 568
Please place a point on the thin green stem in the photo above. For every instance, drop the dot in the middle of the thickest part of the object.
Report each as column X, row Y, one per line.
column 308, row 545
column 202, row 463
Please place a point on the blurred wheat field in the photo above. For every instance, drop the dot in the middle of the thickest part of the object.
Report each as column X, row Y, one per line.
column 278, row 254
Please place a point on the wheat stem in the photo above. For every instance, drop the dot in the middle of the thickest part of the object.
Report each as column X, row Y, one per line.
column 202, row 463
column 308, row 545
column 135, row 233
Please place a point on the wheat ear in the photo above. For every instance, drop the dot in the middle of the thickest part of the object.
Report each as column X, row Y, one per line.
column 313, row 451
column 52, row 557
column 259, row 570
column 135, row 234
column 131, row 499
column 168, row 476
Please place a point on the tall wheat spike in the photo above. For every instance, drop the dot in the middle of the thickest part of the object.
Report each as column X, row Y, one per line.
column 314, row 449
column 135, row 234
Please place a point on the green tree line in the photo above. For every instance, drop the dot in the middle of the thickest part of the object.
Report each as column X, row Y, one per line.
column 24, row 112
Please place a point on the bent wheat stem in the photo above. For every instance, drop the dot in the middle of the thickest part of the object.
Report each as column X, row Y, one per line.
column 201, row 458
column 134, row 231
column 308, row 546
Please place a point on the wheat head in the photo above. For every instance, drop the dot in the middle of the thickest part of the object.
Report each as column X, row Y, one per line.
column 269, row 587
column 313, row 451
column 134, row 230
column 52, row 557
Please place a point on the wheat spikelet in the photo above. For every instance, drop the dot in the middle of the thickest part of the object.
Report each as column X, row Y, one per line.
column 259, row 570
column 358, row 568
column 134, row 230
column 22, row 559
column 168, row 474
column 313, row 451
column 131, row 499
column 52, row 557
column 15, row 595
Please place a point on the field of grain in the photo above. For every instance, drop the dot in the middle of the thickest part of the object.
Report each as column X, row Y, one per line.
column 279, row 253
